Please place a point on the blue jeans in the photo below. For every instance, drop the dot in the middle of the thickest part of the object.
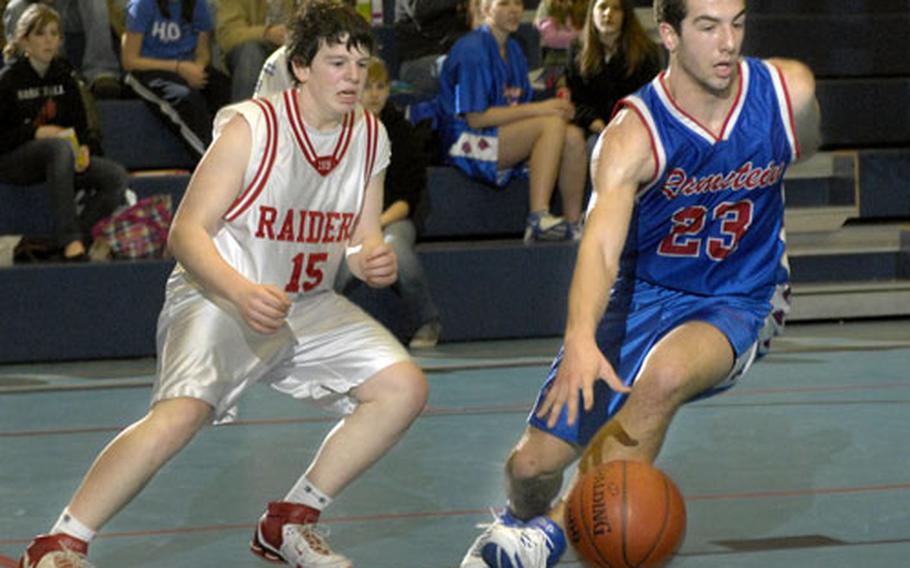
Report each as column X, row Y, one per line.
column 51, row 161
column 412, row 282
column 245, row 63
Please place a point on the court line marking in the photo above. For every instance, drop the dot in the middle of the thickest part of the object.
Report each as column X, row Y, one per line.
column 416, row 515
column 796, row 345
column 431, row 411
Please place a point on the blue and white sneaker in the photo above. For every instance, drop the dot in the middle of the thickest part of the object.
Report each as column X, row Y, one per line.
column 543, row 226
column 508, row 543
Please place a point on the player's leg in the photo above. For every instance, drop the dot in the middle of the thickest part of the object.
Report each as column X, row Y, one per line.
column 540, row 141
column 689, row 360
column 534, row 474
column 387, row 405
column 573, row 172
column 383, row 404
column 120, row 471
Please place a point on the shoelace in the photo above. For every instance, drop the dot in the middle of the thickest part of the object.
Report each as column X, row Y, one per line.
column 316, row 537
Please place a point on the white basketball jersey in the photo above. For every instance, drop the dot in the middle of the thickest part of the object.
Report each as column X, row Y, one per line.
column 303, row 193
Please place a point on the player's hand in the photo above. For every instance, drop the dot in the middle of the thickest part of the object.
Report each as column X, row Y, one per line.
column 582, row 364
column 379, row 265
column 264, row 307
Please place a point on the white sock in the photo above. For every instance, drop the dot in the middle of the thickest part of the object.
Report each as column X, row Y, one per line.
column 70, row 525
column 308, row 494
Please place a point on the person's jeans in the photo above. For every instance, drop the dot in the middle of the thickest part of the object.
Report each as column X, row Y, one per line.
column 245, row 63
column 51, row 161
column 91, row 17
column 412, row 283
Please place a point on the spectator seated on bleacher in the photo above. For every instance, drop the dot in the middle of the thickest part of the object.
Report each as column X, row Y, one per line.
column 491, row 129
column 90, row 22
column 559, row 23
column 248, row 32
column 614, row 58
column 44, row 136
column 168, row 59
column 425, row 31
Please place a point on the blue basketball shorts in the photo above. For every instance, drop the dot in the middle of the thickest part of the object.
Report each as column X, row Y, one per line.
column 634, row 322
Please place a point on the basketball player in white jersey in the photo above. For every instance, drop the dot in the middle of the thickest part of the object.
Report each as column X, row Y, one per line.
column 291, row 186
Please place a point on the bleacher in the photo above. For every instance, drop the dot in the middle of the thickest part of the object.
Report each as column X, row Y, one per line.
column 846, row 210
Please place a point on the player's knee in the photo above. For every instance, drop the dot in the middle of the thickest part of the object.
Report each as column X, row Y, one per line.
column 177, row 420
column 663, row 386
column 525, row 464
column 407, row 385
column 531, row 485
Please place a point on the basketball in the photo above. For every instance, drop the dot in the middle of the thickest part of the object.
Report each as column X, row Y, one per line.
column 625, row 514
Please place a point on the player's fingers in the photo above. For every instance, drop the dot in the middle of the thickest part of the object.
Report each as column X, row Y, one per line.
column 276, row 298
column 612, row 379
column 546, row 405
column 572, row 405
column 587, row 395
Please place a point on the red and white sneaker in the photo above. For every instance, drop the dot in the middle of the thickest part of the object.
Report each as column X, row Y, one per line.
column 56, row 551
column 288, row 533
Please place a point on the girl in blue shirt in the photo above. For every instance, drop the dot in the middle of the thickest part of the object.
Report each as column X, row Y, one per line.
column 166, row 51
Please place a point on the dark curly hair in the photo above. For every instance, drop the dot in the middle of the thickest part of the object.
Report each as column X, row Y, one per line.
column 326, row 22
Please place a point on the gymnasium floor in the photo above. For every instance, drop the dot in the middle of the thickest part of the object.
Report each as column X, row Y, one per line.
column 805, row 463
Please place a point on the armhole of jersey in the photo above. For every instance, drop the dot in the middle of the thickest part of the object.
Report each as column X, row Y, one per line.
column 658, row 152
column 785, row 107
column 251, row 192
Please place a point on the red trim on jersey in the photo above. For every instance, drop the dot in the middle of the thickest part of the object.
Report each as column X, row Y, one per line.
column 324, row 165
column 783, row 84
column 347, row 133
column 651, row 135
column 730, row 113
column 250, row 194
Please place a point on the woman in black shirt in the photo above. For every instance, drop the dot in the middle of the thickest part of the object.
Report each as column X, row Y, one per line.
column 44, row 135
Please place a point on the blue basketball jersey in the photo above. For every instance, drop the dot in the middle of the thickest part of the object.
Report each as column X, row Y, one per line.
column 475, row 77
column 710, row 221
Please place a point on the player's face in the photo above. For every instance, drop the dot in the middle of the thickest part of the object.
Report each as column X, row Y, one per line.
column 335, row 77
column 709, row 43
column 504, row 15
column 607, row 17
column 42, row 45
column 375, row 95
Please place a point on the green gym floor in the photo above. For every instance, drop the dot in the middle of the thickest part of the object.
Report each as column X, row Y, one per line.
column 805, row 463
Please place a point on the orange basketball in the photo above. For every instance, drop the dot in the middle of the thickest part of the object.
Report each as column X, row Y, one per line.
column 625, row 514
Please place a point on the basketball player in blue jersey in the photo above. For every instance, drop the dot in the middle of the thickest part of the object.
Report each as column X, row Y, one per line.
column 679, row 272
column 291, row 187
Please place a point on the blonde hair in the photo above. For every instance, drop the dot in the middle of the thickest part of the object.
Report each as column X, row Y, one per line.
column 377, row 71
column 34, row 19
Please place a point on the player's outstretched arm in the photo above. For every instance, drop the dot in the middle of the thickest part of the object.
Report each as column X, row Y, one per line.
column 623, row 164
column 215, row 185
column 370, row 258
column 806, row 113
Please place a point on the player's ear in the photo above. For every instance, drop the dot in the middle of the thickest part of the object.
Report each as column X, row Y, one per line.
column 300, row 72
column 668, row 36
